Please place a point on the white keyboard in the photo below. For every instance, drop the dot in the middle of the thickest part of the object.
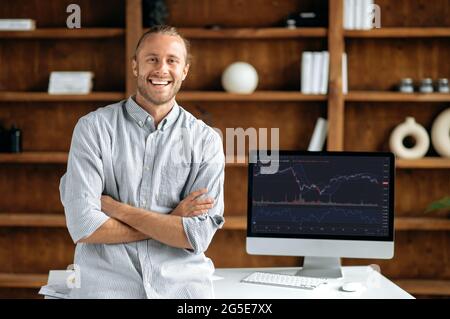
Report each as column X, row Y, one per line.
column 265, row 278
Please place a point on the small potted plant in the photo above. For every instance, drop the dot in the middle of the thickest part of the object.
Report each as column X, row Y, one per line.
column 442, row 205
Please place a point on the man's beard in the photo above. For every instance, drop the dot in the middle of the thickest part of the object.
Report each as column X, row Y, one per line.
column 157, row 100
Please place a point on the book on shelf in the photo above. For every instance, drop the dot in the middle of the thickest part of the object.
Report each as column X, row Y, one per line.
column 358, row 14
column 70, row 82
column 17, row 24
column 314, row 72
column 319, row 135
column 306, row 71
column 344, row 73
column 317, row 66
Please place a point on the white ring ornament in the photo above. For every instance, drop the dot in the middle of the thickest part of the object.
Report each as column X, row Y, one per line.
column 240, row 77
column 440, row 134
column 409, row 128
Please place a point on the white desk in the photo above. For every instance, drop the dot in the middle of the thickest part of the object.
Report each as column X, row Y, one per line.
column 377, row 286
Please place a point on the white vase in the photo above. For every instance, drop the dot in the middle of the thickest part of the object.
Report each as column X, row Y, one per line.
column 417, row 131
column 440, row 133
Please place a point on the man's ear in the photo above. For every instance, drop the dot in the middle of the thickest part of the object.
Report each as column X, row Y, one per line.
column 134, row 66
column 185, row 71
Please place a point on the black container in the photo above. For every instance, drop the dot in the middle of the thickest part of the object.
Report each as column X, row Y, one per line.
column 4, row 140
column 15, row 136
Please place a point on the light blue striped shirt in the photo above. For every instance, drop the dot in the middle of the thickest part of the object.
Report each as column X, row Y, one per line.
column 117, row 150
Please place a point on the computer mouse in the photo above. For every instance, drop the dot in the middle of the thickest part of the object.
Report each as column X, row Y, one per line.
column 352, row 286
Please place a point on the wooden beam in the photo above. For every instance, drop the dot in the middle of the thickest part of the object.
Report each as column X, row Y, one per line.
column 45, row 97
column 32, row 220
column 64, row 33
column 335, row 95
column 424, row 287
column 11, row 280
column 133, row 33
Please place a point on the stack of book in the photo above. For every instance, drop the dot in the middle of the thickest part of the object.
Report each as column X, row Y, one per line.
column 358, row 14
column 79, row 82
column 314, row 72
column 17, row 24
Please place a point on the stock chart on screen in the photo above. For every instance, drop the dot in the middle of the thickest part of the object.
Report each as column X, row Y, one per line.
column 333, row 195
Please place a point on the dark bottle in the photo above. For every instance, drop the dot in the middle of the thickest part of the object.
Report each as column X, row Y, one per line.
column 4, row 139
column 15, row 140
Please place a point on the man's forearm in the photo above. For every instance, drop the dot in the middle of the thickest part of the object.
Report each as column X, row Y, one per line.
column 167, row 229
column 114, row 232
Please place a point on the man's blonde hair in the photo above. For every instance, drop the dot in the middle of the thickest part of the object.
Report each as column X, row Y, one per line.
column 166, row 30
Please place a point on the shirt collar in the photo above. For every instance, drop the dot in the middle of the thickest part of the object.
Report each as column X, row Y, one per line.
column 140, row 115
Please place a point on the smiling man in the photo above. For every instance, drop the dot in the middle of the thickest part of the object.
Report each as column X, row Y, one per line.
column 143, row 191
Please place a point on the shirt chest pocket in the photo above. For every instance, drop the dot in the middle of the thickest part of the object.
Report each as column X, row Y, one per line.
column 173, row 178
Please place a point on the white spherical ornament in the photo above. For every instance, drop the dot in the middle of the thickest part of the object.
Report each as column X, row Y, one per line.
column 440, row 133
column 240, row 77
column 409, row 128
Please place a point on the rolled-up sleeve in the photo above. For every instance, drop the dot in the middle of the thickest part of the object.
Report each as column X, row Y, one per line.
column 201, row 229
column 82, row 185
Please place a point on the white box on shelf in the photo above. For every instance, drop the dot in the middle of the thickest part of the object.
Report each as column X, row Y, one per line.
column 70, row 82
column 17, row 24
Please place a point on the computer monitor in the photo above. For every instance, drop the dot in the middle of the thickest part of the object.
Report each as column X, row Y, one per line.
column 321, row 205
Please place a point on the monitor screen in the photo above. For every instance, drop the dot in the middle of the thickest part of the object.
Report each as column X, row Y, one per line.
column 322, row 195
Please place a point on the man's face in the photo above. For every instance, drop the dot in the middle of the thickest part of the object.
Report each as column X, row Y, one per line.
column 160, row 67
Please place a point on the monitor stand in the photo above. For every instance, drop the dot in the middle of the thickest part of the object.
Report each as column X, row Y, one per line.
column 324, row 267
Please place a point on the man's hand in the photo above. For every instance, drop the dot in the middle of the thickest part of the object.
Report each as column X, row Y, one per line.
column 193, row 206
column 110, row 206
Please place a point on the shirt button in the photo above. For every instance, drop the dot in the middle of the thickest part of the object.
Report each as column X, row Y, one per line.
column 146, row 168
column 144, row 202
column 140, row 123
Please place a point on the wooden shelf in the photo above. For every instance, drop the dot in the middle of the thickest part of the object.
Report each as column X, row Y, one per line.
column 235, row 222
column 58, row 158
column 253, row 33
column 425, row 287
column 263, row 96
column 64, row 33
column 239, row 222
column 61, row 158
column 9, row 280
column 424, row 163
column 384, row 96
column 422, row 223
column 45, row 97
column 32, row 220
column 399, row 33
column 35, row 157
